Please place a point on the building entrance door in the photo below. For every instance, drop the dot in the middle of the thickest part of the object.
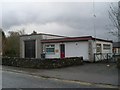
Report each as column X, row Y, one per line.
column 30, row 49
column 62, row 50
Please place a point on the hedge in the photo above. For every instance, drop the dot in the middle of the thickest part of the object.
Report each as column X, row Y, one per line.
column 41, row 63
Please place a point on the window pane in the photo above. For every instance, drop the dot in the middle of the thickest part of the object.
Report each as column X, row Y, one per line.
column 47, row 45
column 50, row 48
column 106, row 46
column 98, row 47
column 52, row 45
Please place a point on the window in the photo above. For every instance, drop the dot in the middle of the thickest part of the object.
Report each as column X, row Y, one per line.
column 50, row 49
column 114, row 50
column 98, row 48
column 106, row 46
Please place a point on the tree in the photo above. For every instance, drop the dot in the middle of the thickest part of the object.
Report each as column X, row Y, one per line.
column 12, row 45
column 114, row 15
column 21, row 32
column 3, row 43
column 0, row 42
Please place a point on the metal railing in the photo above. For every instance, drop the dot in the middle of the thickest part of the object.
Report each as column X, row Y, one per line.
column 103, row 57
column 116, row 56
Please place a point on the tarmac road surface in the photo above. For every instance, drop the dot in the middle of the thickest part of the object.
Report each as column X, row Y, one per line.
column 20, row 80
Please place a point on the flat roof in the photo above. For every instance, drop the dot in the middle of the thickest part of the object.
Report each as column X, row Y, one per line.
column 72, row 39
column 42, row 34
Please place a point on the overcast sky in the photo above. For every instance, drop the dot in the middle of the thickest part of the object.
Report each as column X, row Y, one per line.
column 61, row 18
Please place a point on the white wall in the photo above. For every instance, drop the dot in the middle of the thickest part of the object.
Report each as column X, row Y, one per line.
column 103, row 50
column 77, row 49
column 72, row 49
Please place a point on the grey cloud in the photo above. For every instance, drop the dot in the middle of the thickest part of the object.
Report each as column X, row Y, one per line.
column 43, row 12
column 76, row 16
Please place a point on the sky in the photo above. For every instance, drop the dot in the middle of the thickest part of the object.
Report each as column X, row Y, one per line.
column 61, row 18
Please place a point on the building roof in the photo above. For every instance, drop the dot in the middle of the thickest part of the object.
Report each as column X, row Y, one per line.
column 42, row 34
column 72, row 39
column 116, row 44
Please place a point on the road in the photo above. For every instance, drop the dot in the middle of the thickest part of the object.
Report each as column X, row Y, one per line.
column 20, row 80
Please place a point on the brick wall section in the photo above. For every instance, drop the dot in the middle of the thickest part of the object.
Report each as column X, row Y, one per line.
column 42, row 64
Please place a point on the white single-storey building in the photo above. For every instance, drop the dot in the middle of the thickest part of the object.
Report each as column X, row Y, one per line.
column 32, row 46
column 86, row 46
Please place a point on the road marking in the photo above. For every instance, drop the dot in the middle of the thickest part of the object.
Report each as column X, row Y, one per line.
column 100, row 85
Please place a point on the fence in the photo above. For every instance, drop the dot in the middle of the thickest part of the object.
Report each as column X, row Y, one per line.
column 41, row 63
column 116, row 56
column 103, row 56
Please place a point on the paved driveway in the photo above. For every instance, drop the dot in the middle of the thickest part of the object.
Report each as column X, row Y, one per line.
column 89, row 72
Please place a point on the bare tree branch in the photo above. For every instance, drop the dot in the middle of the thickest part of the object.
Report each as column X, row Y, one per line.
column 114, row 15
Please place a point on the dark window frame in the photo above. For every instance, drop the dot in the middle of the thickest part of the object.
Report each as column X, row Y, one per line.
column 50, row 49
column 106, row 46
